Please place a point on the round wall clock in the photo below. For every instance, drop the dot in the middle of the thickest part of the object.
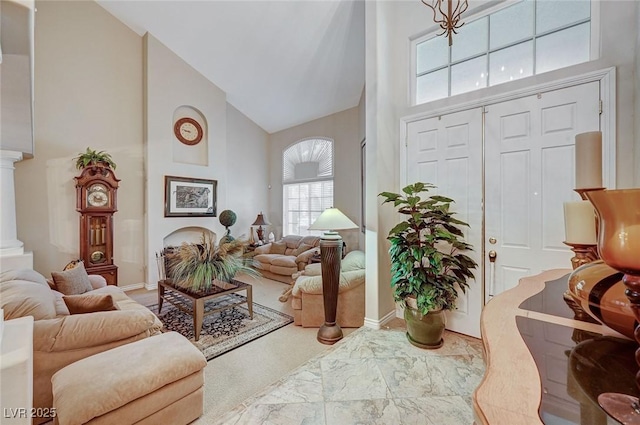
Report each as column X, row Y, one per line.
column 188, row 131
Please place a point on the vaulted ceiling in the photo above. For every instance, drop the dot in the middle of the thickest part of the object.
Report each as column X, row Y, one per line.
column 281, row 63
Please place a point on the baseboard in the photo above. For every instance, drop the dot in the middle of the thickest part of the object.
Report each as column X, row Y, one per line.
column 132, row 287
column 378, row 324
column 151, row 286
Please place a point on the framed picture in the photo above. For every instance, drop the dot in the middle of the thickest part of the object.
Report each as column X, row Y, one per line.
column 187, row 197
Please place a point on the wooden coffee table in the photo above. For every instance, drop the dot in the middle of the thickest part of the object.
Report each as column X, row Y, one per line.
column 195, row 303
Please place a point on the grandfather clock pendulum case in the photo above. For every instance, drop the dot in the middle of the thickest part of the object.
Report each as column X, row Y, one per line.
column 96, row 189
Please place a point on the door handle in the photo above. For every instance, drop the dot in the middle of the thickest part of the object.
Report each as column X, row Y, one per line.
column 492, row 272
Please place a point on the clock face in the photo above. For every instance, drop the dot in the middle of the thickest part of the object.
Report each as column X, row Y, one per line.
column 97, row 195
column 188, row 131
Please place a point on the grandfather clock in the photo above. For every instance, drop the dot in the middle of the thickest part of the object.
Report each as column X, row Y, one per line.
column 96, row 189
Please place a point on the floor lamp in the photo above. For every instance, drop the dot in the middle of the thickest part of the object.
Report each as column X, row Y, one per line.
column 330, row 220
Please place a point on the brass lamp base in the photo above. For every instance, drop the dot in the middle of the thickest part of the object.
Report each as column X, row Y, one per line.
column 330, row 254
column 329, row 334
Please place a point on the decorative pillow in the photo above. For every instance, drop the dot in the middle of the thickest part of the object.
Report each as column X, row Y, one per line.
column 19, row 298
column 23, row 274
column 278, row 248
column 72, row 282
column 89, row 303
column 302, row 248
column 61, row 307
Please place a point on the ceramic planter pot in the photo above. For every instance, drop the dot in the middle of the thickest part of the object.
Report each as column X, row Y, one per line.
column 425, row 331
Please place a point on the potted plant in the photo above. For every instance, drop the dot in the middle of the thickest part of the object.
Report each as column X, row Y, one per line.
column 428, row 265
column 92, row 157
column 197, row 267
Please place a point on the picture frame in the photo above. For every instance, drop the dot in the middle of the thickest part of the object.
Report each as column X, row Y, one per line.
column 189, row 197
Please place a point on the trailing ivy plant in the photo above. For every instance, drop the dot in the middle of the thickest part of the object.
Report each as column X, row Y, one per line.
column 91, row 156
column 427, row 259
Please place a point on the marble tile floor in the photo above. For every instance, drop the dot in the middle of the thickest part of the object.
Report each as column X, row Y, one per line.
column 373, row 377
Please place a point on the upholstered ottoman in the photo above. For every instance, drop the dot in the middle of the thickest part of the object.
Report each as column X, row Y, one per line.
column 157, row 380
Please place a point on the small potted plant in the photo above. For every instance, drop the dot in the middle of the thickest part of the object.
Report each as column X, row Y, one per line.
column 92, row 157
column 428, row 264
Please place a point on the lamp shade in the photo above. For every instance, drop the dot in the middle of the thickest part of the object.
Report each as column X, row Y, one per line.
column 333, row 219
column 260, row 221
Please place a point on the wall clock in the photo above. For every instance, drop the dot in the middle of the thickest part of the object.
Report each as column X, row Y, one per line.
column 96, row 202
column 188, row 131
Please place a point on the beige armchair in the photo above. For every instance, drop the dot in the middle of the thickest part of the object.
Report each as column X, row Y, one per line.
column 59, row 338
column 308, row 303
column 281, row 259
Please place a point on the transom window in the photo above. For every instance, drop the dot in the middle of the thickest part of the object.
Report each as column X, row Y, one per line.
column 527, row 37
column 307, row 190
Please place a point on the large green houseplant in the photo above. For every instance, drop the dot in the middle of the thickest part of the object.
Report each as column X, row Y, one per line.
column 428, row 264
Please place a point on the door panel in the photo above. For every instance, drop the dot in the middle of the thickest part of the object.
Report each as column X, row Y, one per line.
column 529, row 173
column 447, row 151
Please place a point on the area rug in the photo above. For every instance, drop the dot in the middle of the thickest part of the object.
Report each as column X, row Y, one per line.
column 224, row 330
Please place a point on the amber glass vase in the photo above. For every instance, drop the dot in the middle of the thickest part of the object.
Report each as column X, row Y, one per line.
column 619, row 247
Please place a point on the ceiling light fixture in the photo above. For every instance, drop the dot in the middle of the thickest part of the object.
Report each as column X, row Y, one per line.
column 449, row 21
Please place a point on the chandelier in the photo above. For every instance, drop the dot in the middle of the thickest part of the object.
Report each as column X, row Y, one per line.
column 448, row 20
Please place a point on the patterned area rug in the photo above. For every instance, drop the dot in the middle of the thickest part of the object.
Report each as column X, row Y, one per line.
column 224, row 330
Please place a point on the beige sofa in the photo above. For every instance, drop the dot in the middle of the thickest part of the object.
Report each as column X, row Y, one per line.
column 281, row 259
column 308, row 303
column 59, row 338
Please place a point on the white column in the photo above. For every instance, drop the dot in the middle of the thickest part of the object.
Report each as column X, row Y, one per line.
column 12, row 253
column 9, row 243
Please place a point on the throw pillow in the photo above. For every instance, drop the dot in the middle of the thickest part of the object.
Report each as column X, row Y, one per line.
column 302, row 248
column 278, row 248
column 23, row 274
column 72, row 282
column 89, row 303
column 19, row 298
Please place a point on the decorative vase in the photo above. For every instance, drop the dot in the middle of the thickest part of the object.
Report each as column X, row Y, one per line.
column 425, row 330
column 619, row 247
column 599, row 291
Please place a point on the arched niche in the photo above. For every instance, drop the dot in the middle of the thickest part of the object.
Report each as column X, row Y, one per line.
column 192, row 234
column 197, row 154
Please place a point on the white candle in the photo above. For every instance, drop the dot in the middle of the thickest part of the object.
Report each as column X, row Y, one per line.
column 589, row 160
column 580, row 223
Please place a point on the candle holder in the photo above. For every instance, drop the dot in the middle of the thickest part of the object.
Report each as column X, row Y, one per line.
column 619, row 246
column 584, row 253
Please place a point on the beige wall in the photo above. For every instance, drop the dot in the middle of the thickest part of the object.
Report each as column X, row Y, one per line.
column 88, row 89
column 247, row 169
column 343, row 128
column 389, row 28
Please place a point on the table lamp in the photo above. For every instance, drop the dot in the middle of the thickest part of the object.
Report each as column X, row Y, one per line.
column 330, row 220
column 260, row 221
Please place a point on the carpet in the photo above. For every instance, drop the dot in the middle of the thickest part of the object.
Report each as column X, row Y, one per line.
column 224, row 330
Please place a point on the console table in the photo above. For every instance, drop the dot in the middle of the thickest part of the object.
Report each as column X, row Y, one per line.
column 511, row 390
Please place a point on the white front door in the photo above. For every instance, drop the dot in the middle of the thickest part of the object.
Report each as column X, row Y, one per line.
column 529, row 173
column 447, row 151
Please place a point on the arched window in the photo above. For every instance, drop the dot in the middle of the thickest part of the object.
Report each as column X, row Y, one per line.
column 307, row 184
